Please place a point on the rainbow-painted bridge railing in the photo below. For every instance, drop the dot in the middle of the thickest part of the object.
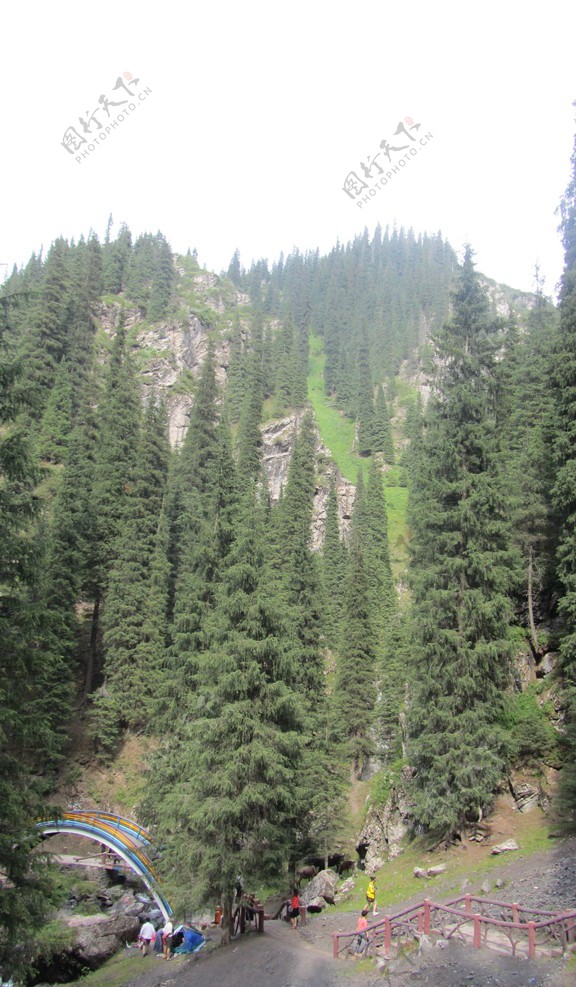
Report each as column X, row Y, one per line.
column 124, row 839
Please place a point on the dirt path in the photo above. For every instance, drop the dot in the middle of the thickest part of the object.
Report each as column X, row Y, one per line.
column 284, row 958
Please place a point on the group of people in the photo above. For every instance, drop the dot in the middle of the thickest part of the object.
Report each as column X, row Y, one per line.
column 149, row 937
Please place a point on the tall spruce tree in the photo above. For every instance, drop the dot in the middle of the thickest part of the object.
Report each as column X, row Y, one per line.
column 374, row 540
column 226, row 810
column 115, row 455
column 333, row 571
column 27, row 739
column 460, row 574
column 195, row 506
column 565, row 486
column 355, row 689
column 382, row 431
column 125, row 611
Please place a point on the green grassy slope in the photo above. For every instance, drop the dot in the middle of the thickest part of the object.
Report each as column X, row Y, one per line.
column 337, row 433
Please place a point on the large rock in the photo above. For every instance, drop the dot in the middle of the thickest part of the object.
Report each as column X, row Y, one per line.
column 504, row 847
column 321, row 886
column 98, row 937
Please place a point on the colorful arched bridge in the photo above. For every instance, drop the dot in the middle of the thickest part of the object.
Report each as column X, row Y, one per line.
column 124, row 839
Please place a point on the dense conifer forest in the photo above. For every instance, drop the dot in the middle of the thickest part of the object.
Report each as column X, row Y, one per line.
column 157, row 587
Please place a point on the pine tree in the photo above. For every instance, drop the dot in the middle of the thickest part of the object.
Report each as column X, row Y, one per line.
column 70, row 552
column 48, row 341
column 226, row 811
column 565, row 486
column 115, row 260
column 236, row 382
column 235, row 272
column 125, row 611
column 374, row 540
column 115, row 456
column 57, row 418
column 527, row 427
column 27, row 740
column 333, row 571
column 205, row 484
column 460, row 575
column 249, row 441
column 355, row 689
column 382, row 431
column 364, row 401
column 86, row 289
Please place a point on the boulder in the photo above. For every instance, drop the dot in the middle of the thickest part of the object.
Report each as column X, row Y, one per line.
column 438, row 869
column 420, row 872
column 127, row 905
column 548, row 664
column 503, row 847
column 321, row 886
column 98, row 937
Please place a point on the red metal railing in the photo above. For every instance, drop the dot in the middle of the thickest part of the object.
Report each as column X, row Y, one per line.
column 480, row 921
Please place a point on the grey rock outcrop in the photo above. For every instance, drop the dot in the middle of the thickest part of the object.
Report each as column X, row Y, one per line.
column 387, row 825
column 323, row 886
column 98, row 937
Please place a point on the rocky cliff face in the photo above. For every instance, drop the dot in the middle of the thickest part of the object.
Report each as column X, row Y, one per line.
column 170, row 355
column 277, row 445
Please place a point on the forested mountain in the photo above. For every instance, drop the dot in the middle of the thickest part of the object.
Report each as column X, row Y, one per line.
column 158, row 571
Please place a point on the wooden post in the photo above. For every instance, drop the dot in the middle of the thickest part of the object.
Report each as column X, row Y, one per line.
column 260, row 918
column 303, row 914
column 335, row 945
column 427, row 916
column 387, row 935
column 531, row 940
column 468, row 903
column 514, row 912
column 477, row 941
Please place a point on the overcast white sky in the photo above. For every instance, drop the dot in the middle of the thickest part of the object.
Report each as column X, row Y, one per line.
column 258, row 111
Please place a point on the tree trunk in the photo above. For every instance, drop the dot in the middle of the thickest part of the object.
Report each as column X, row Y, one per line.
column 533, row 634
column 227, row 917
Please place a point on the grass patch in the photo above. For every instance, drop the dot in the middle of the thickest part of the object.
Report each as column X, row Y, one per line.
column 395, row 881
column 118, row 971
column 337, row 432
column 336, row 429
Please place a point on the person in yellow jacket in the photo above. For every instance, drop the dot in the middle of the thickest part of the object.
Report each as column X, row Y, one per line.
column 371, row 896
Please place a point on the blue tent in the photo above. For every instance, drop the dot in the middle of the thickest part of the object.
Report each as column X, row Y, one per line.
column 192, row 942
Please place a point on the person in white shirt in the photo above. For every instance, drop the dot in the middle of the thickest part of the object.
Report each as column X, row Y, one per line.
column 167, row 939
column 147, row 935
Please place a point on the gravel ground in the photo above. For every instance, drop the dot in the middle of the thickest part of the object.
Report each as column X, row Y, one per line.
column 284, row 958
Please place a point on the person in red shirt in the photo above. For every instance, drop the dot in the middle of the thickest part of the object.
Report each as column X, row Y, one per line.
column 295, row 909
column 361, row 941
